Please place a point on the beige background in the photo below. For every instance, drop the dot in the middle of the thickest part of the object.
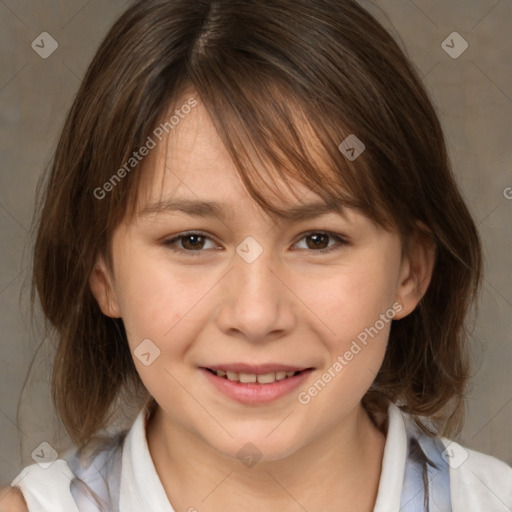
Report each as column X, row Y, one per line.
column 473, row 94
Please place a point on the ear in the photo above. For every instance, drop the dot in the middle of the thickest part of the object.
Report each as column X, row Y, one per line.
column 416, row 271
column 100, row 282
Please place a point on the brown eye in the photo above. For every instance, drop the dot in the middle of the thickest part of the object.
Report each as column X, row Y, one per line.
column 190, row 243
column 318, row 241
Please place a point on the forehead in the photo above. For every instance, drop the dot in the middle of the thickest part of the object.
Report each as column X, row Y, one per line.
column 192, row 163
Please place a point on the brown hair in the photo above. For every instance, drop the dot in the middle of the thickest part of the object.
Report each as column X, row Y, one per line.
column 265, row 71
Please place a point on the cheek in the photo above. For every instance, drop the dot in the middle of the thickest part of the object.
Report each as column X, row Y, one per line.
column 161, row 312
column 355, row 357
column 355, row 308
column 156, row 303
column 350, row 299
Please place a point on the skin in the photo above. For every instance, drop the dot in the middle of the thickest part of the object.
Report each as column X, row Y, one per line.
column 292, row 305
column 11, row 500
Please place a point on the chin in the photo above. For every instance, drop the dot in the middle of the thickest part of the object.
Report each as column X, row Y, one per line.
column 251, row 446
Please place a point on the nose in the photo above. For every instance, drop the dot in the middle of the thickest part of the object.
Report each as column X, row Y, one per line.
column 256, row 303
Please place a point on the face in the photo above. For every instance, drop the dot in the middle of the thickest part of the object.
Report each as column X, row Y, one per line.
column 233, row 290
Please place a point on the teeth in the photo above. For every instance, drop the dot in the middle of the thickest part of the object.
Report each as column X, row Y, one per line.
column 266, row 378
column 247, row 377
column 232, row 375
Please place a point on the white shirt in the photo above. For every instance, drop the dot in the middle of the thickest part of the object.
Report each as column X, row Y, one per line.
column 125, row 479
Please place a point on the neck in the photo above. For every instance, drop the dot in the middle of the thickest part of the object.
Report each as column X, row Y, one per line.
column 315, row 477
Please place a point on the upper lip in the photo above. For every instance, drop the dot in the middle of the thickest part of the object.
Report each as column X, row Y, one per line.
column 257, row 369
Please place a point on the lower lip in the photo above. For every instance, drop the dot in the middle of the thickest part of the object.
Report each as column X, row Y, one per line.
column 254, row 393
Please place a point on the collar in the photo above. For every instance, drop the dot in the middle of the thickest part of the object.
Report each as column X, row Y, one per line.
column 393, row 462
column 141, row 488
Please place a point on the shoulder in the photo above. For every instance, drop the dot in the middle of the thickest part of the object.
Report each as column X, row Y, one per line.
column 84, row 480
column 11, row 500
column 45, row 487
column 478, row 480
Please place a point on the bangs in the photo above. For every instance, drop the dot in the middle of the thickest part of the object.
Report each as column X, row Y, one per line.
column 271, row 133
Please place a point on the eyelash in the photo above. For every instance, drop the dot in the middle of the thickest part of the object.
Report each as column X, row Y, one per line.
column 172, row 242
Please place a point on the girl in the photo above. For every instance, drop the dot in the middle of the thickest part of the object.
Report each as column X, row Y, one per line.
column 251, row 234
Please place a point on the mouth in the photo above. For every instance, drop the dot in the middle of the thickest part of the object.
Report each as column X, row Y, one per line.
column 252, row 378
column 254, row 385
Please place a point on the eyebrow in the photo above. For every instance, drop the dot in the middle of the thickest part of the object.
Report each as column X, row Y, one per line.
column 214, row 209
